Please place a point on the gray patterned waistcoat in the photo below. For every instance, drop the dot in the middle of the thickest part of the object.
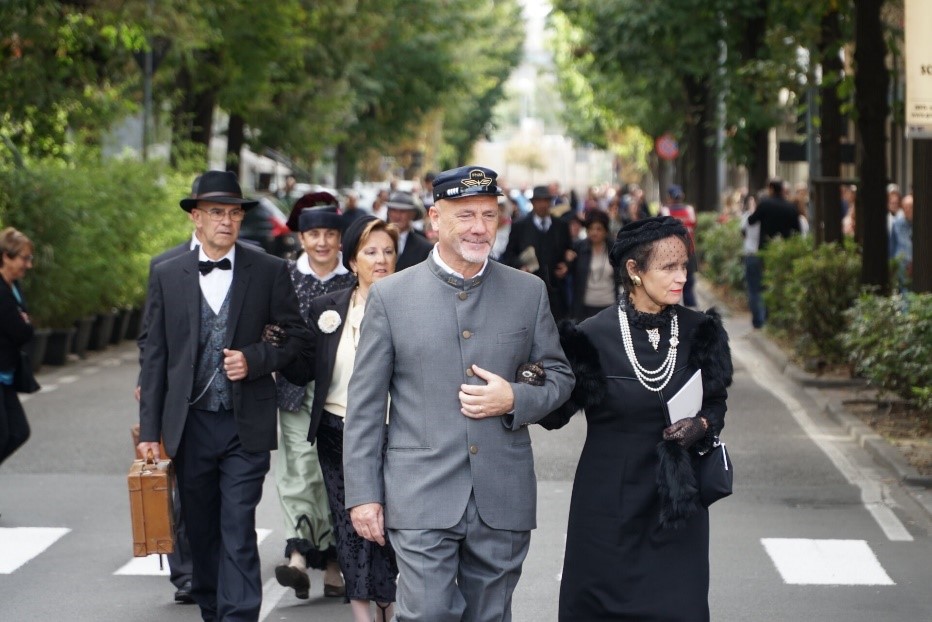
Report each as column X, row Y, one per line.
column 210, row 359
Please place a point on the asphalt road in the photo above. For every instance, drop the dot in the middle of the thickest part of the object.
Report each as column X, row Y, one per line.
column 815, row 531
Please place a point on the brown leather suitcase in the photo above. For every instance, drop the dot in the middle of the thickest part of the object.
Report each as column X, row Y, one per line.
column 150, row 504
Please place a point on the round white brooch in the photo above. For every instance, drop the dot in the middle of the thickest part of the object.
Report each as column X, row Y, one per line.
column 329, row 321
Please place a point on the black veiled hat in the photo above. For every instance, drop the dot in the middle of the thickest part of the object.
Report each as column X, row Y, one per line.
column 644, row 231
column 351, row 237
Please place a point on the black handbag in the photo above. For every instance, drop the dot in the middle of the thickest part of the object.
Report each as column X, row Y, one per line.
column 23, row 379
column 716, row 475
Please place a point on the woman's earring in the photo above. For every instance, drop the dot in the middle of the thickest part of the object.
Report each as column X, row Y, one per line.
column 636, row 280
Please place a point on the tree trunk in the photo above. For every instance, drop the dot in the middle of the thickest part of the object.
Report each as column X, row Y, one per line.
column 235, row 141
column 922, row 216
column 192, row 117
column 757, row 162
column 344, row 166
column 871, row 82
column 832, row 130
column 700, row 158
column 751, row 46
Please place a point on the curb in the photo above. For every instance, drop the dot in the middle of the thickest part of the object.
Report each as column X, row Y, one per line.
column 882, row 451
column 791, row 369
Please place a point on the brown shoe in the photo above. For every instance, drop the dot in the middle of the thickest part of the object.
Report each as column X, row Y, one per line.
column 289, row 576
column 332, row 574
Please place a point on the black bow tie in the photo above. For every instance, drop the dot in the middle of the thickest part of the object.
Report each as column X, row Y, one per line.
column 206, row 266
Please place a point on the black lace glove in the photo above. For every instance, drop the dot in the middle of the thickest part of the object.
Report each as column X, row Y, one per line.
column 274, row 335
column 531, row 373
column 687, row 432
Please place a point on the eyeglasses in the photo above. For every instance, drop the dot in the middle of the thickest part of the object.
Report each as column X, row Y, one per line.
column 217, row 214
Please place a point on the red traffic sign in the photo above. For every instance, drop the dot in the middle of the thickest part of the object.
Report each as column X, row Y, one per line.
column 667, row 147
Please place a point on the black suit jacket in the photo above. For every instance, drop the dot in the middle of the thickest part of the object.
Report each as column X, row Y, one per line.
column 550, row 247
column 580, row 272
column 261, row 293
column 777, row 218
column 15, row 332
column 417, row 248
column 325, row 350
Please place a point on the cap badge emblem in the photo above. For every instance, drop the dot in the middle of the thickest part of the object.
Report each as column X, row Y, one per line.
column 478, row 179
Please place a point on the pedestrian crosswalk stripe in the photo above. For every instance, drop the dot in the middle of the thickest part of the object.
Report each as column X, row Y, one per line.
column 20, row 544
column 138, row 566
column 826, row 562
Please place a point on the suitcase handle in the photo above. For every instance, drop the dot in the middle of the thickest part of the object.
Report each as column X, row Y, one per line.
column 149, row 461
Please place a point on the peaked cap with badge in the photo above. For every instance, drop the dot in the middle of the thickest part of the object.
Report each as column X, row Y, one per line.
column 216, row 187
column 466, row 181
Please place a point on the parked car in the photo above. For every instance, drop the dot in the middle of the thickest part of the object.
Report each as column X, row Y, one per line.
column 266, row 225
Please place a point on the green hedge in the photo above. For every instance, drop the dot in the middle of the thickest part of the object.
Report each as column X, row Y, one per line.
column 95, row 225
column 889, row 341
column 720, row 248
column 807, row 291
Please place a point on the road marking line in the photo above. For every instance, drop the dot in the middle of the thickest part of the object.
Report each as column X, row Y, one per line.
column 21, row 544
column 67, row 379
column 149, row 566
column 874, row 494
column 825, row 562
column 272, row 594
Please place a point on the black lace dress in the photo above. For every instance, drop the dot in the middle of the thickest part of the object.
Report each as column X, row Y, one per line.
column 620, row 562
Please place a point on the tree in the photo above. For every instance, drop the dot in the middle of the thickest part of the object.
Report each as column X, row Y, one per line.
column 871, row 81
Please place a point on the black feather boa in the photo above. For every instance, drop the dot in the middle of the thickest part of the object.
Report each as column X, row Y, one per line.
column 589, row 390
column 676, row 480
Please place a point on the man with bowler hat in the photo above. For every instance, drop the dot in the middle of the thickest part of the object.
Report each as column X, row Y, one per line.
column 540, row 243
column 413, row 248
column 450, row 480
column 208, row 391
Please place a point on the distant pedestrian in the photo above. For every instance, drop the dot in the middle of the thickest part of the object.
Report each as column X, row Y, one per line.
column 901, row 242
column 686, row 214
column 753, row 264
column 404, row 209
column 540, row 243
column 595, row 282
column 16, row 330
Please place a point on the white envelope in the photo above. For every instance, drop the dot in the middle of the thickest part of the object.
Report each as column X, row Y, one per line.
column 688, row 400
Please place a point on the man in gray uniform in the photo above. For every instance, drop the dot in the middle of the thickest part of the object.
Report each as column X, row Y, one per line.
column 454, row 489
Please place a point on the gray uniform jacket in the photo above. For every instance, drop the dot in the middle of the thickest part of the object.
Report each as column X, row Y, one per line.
column 422, row 331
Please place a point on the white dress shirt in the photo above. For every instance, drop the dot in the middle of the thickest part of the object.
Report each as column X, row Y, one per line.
column 304, row 267
column 216, row 284
column 443, row 266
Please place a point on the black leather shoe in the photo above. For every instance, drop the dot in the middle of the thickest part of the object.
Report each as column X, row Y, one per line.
column 289, row 576
column 183, row 594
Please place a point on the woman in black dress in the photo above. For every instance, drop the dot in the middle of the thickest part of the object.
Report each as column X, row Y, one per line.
column 15, row 332
column 638, row 538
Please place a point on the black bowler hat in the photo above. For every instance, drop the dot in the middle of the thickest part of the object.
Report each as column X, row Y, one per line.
column 217, row 187
column 321, row 217
column 541, row 192
column 466, row 181
column 405, row 201
column 311, row 199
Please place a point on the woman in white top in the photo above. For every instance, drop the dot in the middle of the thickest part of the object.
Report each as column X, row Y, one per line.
column 370, row 248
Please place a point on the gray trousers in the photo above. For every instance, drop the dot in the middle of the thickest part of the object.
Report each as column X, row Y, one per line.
column 468, row 572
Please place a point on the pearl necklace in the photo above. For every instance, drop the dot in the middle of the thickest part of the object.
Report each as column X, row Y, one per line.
column 648, row 377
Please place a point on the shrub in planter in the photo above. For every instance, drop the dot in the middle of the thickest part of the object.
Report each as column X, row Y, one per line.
column 889, row 341
column 722, row 251
column 781, row 292
column 95, row 225
column 807, row 291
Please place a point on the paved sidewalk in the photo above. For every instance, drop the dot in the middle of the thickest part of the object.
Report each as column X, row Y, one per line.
column 830, row 394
